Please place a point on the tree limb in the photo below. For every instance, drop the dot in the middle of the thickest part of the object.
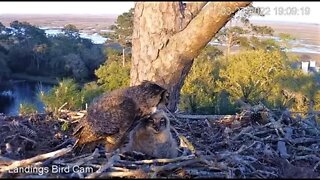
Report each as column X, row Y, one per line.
column 26, row 162
column 203, row 27
column 195, row 6
column 192, row 10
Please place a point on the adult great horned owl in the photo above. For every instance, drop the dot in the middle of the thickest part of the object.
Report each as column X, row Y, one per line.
column 152, row 136
column 111, row 116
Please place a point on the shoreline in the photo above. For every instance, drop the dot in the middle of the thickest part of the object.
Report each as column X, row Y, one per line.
column 24, row 77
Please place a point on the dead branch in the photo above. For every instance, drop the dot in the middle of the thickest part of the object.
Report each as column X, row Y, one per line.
column 63, row 105
column 106, row 166
column 311, row 157
column 28, row 139
column 152, row 161
column 209, row 117
column 128, row 174
column 172, row 166
column 5, row 160
column 41, row 157
column 219, row 150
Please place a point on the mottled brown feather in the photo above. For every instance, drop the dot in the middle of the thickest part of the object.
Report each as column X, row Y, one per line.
column 111, row 116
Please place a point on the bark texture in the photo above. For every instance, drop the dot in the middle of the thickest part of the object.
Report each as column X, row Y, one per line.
column 167, row 36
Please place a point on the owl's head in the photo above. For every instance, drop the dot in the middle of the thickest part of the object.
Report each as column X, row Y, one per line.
column 155, row 96
column 157, row 122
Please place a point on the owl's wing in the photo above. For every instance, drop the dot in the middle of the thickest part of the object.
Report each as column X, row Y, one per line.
column 112, row 114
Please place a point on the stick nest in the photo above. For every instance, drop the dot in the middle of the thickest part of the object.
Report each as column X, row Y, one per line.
column 258, row 143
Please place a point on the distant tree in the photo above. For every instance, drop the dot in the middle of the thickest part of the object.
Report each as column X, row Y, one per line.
column 261, row 30
column 250, row 76
column 2, row 27
column 317, row 103
column 39, row 53
column 285, row 38
column 231, row 36
column 259, row 39
column 122, row 31
column 76, row 67
column 20, row 58
column 112, row 74
column 27, row 33
column 238, row 29
column 301, row 91
column 93, row 57
column 71, row 31
column 198, row 91
column 4, row 70
column 2, row 35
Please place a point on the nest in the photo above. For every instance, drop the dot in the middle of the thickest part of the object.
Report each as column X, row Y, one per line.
column 258, row 143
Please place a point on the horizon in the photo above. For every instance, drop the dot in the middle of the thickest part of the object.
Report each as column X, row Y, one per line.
column 116, row 8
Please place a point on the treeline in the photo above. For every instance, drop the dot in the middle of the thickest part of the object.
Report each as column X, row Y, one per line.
column 221, row 81
column 220, row 85
column 27, row 49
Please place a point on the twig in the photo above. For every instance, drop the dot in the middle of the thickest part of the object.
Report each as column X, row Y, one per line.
column 174, row 117
column 62, row 120
column 152, row 161
column 104, row 167
column 5, row 160
column 184, row 141
column 68, row 141
column 62, row 106
column 316, row 166
column 41, row 157
column 243, row 131
column 307, row 157
column 172, row 166
column 202, row 173
column 30, row 140
column 282, row 149
column 304, row 140
column 201, row 117
column 94, row 155
column 130, row 173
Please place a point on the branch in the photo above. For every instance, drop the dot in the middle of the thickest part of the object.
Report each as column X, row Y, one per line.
column 172, row 166
column 195, row 6
column 203, row 27
column 201, row 117
column 29, row 161
column 106, row 166
column 152, row 161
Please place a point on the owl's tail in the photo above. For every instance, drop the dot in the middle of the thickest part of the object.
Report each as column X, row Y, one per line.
column 86, row 139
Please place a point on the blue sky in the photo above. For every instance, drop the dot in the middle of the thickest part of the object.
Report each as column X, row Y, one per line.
column 120, row 7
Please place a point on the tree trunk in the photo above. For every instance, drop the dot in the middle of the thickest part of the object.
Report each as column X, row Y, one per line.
column 123, row 57
column 167, row 37
column 229, row 44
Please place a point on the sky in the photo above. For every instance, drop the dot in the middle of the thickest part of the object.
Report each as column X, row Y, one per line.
column 117, row 8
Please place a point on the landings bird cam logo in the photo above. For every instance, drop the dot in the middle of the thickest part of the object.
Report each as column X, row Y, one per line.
column 54, row 169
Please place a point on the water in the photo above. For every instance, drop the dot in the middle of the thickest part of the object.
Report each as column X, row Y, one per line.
column 22, row 92
column 298, row 46
column 95, row 38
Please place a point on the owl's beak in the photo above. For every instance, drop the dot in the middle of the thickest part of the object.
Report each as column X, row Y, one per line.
column 156, row 129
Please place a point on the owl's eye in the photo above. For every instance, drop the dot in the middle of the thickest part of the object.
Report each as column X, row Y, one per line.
column 163, row 122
